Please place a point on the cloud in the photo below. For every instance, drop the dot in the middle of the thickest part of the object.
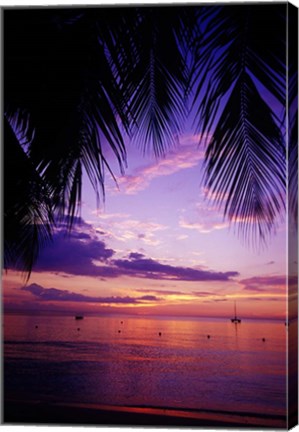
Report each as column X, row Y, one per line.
column 262, row 283
column 203, row 293
column 76, row 254
column 253, row 287
column 263, row 299
column 182, row 237
column 81, row 235
column 110, row 216
column 136, row 255
column 210, row 296
column 218, row 297
column 203, row 218
column 145, row 231
column 162, row 292
column 219, row 300
column 184, row 157
column 149, row 298
column 203, row 227
column 82, row 253
column 54, row 294
column 131, row 229
column 151, row 269
column 76, row 220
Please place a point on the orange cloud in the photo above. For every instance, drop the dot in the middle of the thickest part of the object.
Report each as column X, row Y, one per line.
column 184, row 157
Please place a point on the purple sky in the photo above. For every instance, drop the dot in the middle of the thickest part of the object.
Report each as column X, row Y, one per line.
column 156, row 245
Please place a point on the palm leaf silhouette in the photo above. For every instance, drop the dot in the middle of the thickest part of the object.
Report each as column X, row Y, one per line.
column 244, row 162
column 74, row 107
column 158, row 79
column 240, row 64
column 28, row 218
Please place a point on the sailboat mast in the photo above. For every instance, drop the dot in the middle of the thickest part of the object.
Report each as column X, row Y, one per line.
column 235, row 319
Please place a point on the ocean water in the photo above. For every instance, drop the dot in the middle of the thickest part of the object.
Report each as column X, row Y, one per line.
column 124, row 361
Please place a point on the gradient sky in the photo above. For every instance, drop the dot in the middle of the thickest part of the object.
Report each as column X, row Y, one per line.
column 156, row 246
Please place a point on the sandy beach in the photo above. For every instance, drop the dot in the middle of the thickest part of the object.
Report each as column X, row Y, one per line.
column 19, row 412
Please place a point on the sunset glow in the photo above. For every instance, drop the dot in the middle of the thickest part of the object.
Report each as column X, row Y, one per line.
column 157, row 246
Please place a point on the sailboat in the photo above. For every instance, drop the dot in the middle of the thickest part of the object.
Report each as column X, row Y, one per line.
column 235, row 319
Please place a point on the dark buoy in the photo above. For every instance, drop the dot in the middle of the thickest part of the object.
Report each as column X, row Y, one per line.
column 121, row 322
column 36, row 326
column 160, row 334
column 118, row 331
column 208, row 336
column 78, row 329
column 263, row 339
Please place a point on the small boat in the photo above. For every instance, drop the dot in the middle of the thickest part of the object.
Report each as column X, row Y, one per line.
column 235, row 319
column 79, row 317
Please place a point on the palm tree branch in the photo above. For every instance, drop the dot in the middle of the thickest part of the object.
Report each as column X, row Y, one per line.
column 245, row 160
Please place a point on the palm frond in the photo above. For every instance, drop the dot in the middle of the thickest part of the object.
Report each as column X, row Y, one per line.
column 244, row 160
column 158, row 79
column 238, row 37
column 241, row 63
column 73, row 99
column 28, row 218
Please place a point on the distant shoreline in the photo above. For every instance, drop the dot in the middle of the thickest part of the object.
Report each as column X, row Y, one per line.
column 39, row 413
column 55, row 313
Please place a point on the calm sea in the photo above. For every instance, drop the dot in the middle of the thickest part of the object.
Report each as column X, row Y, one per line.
column 125, row 361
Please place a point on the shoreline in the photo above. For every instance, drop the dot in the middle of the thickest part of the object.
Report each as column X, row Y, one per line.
column 35, row 412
